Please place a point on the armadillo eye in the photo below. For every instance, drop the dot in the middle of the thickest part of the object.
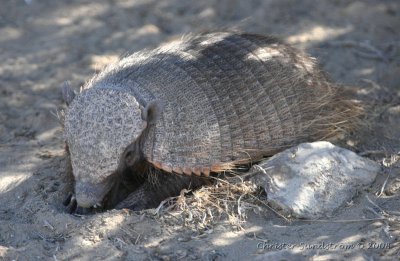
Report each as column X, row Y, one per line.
column 129, row 154
column 130, row 157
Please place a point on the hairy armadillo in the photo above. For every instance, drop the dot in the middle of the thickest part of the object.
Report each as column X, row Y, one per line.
column 202, row 104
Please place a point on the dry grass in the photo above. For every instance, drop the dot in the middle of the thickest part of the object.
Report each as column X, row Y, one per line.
column 228, row 199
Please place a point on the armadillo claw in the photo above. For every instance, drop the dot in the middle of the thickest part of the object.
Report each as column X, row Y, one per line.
column 67, row 200
column 70, row 203
column 73, row 208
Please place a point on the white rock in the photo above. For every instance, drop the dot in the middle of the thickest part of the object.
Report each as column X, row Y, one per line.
column 312, row 180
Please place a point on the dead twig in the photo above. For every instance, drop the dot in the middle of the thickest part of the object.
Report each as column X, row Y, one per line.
column 384, row 185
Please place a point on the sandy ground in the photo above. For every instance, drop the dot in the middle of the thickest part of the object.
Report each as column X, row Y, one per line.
column 44, row 42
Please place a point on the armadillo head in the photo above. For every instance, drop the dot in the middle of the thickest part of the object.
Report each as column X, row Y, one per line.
column 99, row 126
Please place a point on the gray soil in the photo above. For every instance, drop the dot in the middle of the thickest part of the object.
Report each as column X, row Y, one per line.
column 44, row 43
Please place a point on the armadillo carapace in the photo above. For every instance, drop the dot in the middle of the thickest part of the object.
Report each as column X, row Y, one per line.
column 202, row 104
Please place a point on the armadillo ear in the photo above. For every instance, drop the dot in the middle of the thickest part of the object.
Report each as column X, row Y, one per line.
column 152, row 112
column 67, row 93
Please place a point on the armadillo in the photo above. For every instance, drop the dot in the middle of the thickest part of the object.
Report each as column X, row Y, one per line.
column 199, row 105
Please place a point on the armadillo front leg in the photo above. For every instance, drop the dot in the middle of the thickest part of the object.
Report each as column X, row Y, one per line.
column 150, row 195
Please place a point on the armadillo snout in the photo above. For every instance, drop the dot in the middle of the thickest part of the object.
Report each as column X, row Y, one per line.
column 90, row 195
